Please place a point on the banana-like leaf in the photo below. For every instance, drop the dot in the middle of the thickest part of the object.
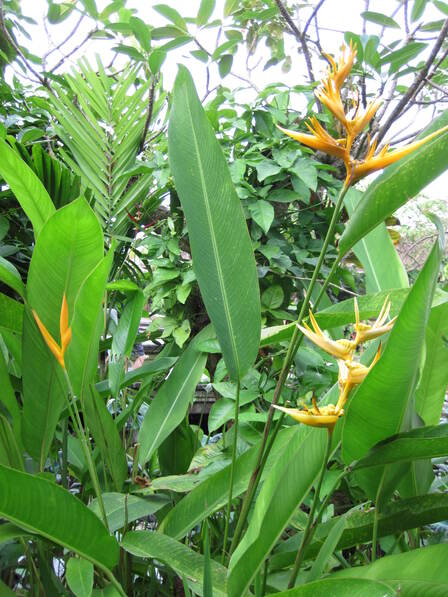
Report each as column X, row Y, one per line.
column 223, row 258
column 349, row 587
column 379, row 406
column 396, row 517
column 42, row 507
column 26, row 186
column 382, row 266
column 398, row 183
column 169, row 407
column 418, row 572
column 421, row 443
column 74, row 235
column 186, row 562
column 11, row 277
column 212, row 493
column 284, row 489
column 431, row 389
column 122, row 507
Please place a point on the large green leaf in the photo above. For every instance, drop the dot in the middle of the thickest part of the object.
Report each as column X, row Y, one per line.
column 377, row 254
column 11, row 277
column 222, row 253
column 396, row 517
column 421, row 443
column 283, row 490
column 26, row 186
column 169, row 406
column 87, row 326
column 213, row 493
column 73, row 234
column 350, row 587
column 418, row 572
column 431, row 389
column 43, row 507
column 186, row 562
column 377, row 409
column 398, row 183
column 122, row 507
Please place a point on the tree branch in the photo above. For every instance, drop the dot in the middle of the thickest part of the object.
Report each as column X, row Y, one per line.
column 413, row 89
column 154, row 80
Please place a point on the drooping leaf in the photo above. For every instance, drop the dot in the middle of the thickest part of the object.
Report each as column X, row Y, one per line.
column 186, row 562
column 120, row 507
column 380, row 19
column 26, row 186
column 421, row 443
column 418, row 572
column 398, row 183
column 349, row 587
column 11, row 277
column 168, row 408
column 396, row 517
column 222, row 253
column 43, row 507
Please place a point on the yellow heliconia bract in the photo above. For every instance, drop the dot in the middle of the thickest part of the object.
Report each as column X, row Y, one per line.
column 329, row 94
column 351, row 372
column 65, row 333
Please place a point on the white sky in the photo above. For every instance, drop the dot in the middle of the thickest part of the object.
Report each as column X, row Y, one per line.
column 335, row 17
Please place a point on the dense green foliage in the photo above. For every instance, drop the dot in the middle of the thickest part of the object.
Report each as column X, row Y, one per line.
column 133, row 211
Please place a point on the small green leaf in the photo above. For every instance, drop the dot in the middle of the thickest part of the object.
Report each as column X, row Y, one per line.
column 379, row 19
column 263, row 213
column 225, row 65
column 172, row 15
column 79, row 575
column 206, row 9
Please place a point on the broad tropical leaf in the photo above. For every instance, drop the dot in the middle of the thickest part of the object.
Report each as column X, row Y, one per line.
column 73, row 234
column 43, row 507
column 181, row 558
column 26, row 186
column 222, row 253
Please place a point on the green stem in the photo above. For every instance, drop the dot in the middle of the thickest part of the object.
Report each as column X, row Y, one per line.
column 79, row 429
column 232, row 470
column 307, row 534
column 292, row 349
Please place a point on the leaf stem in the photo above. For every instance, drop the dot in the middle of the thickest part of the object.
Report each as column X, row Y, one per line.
column 292, row 349
column 232, row 470
column 79, row 429
column 309, row 529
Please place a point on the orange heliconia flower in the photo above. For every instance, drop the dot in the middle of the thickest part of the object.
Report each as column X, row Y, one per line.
column 65, row 332
column 329, row 94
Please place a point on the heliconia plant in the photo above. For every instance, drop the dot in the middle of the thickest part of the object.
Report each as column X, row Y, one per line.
column 102, row 472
